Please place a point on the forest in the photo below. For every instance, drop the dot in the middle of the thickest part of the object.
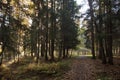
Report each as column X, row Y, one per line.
column 54, row 40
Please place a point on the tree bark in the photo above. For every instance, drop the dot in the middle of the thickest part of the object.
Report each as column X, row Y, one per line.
column 92, row 28
column 109, row 28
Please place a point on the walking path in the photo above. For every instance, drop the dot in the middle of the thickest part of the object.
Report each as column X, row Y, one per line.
column 81, row 69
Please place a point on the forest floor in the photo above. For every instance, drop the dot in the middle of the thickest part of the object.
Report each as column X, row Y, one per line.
column 85, row 68
column 77, row 68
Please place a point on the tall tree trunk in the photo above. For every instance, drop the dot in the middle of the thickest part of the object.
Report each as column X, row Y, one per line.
column 109, row 35
column 52, row 28
column 101, row 48
column 63, row 51
column 60, row 50
column 46, row 41
column 67, row 52
column 38, row 32
column 3, row 42
column 38, row 46
column 42, row 48
column 92, row 28
column 1, row 54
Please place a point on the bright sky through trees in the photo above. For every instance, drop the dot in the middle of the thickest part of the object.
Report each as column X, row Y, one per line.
column 85, row 5
column 83, row 9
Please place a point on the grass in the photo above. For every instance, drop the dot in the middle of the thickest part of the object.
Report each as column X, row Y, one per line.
column 103, row 78
column 25, row 70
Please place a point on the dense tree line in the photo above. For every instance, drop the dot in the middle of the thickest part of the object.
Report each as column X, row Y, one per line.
column 40, row 28
column 103, row 29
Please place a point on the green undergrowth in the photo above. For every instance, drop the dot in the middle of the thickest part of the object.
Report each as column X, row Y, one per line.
column 103, row 77
column 27, row 70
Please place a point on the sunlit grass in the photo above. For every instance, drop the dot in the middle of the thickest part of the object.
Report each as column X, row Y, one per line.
column 89, row 55
column 49, row 68
column 27, row 70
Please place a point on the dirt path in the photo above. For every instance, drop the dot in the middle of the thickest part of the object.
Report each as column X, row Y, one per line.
column 84, row 68
column 81, row 69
